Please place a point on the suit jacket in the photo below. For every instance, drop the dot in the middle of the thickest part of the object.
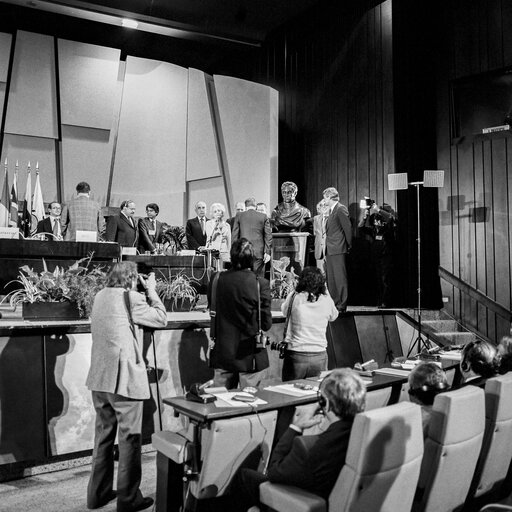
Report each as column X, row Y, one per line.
column 147, row 241
column 338, row 231
column 81, row 214
column 237, row 321
column 311, row 462
column 120, row 230
column 255, row 226
column 114, row 347
column 195, row 237
column 319, row 233
column 46, row 226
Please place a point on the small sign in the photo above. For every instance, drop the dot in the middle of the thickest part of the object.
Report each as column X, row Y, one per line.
column 9, row 232
column 86, row 236
column 129, row 251
column 492, row 129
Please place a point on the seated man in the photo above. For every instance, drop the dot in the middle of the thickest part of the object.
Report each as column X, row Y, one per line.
column 311, row 462
column 426, row 381
column 479, row 361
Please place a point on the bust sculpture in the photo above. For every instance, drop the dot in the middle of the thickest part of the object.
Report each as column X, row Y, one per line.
column 289, row 215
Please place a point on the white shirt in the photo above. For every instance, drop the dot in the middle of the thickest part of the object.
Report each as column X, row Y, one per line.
column 308, row 322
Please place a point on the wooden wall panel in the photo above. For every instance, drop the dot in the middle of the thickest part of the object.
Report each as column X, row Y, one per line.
column 32, row 102
column 210, row 190
column 88, row 79
column 5, row 54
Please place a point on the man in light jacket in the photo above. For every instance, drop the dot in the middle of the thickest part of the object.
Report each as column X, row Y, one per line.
column 119, row 384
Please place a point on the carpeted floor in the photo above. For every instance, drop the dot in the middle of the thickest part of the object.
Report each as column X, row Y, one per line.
column 64, row 491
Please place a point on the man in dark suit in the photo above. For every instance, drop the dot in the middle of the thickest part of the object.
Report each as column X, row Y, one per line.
column 311, row 462
column 195, row 229
column 51, row 224
column 122, row 228
column 150, row 230
column 255, row 226
column 239, row 207
column 338, row 239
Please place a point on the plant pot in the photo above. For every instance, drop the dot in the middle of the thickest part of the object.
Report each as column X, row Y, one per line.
column 179, row 304
column 275, row 304
column 50, row 311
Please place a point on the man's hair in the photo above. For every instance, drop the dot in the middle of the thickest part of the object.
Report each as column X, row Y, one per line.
column 505, row 351
column 426, row 381
column 125, row 203
column 331, row 193
column 481, row 357
column 83, row 188
column 121, row 275
column 242, row 254
column 291, row 185
column 250, row 201
column 311, row 280
column 217, row 205
column 346, row 392
column 198, row 203
column 153, row 206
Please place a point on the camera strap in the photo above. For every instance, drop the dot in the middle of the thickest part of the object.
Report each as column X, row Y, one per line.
column 213, row 306
column 259, row 305
column 288, row 315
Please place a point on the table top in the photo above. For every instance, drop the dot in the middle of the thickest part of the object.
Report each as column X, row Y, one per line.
column 208, row 412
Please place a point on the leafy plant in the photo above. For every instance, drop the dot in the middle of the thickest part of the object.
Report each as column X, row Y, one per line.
column 283, row 281
column 76, row 284
column 176, row 288
column 174, row 238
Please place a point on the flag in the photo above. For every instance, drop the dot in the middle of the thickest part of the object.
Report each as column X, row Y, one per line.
column 37, row 202
column 5, row 202
column 26, row 217
column 14, row 220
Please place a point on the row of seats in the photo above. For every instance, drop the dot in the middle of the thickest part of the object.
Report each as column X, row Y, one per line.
column 466, row 455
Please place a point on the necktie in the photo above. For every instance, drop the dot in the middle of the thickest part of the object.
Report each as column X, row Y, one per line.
column 202, row 225
column 56, row 227
column 153, row 227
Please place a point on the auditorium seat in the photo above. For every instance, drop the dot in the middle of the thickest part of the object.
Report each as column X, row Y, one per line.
column 496, row 454
column 380, row 473
column 452, row 448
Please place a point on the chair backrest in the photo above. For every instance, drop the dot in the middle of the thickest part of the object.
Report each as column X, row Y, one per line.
column 227, row 444
column 452, row 447
column 383, row 461
column 496, row 453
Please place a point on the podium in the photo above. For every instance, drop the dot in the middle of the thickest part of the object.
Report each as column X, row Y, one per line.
column 291, row 245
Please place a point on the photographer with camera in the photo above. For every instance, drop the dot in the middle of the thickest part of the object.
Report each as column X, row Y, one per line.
column 378, row 223
column 239, row 303
column 308, row 310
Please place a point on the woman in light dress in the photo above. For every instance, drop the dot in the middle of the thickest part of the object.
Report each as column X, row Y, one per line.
column 218, row 232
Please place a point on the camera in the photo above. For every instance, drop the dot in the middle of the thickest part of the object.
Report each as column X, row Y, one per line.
column 262, row 340
column 280, row 346
column 367, row 202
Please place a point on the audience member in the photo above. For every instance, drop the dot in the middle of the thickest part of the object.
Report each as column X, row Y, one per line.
column 122, row 228
column 51, row 224
column 426, row 381
column 119, row 384
column 505, row 353
column 319, row 223
column 239, row 207
column 308, row 310
column 479, row 361
column 311, row 462
column 234, row 354
column 218, row 232
column 254, row 226
column 195, row 228
column 338, row 239
column 81, row 214
column 150, row 229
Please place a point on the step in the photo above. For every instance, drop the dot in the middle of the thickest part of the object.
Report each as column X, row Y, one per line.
column 437, row 326
column 457, row 338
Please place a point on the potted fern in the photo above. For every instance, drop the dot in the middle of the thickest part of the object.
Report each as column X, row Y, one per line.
column 61, row 293
column 282, row 281
column 178, row 292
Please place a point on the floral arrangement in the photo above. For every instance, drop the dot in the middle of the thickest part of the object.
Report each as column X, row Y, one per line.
column 77, row 284
column 283, row 281
column 173, row 238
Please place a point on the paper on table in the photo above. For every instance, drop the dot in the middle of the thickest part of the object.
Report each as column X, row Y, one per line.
column 393, row 371
column 225, row 400
column 290, row 389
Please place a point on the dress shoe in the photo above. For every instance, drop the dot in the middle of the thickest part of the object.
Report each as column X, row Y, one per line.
column 111, row 496
column 142, row 505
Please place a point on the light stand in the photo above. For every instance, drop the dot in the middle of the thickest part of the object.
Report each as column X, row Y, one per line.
column 431, row 179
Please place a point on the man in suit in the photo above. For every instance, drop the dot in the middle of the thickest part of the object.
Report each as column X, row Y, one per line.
column 119, row 384
column 319, row 223
column 150, row 230
column 81, row 214
column 195, row 229
column 239, row 207
column 122, row 228
column 51, row 224
column 255, row 226
column 311, row 462
column 338, row 239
